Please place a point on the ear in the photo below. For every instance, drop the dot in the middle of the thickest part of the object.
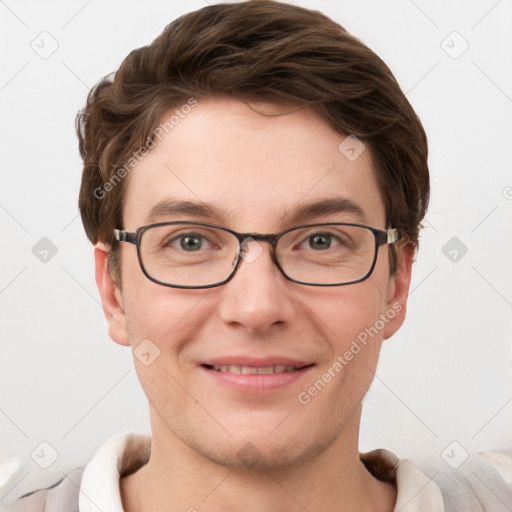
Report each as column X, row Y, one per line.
column 111, row 298
column 398, row 290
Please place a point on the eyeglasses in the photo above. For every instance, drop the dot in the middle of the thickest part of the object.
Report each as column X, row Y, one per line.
column 185, row 254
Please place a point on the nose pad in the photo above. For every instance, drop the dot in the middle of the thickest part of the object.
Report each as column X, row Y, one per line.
column 250, row 256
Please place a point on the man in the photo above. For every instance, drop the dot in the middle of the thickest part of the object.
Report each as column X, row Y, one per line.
column 254, row 183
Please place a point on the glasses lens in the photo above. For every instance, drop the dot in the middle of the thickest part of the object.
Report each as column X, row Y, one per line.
column 188, row 254
column 327, row 254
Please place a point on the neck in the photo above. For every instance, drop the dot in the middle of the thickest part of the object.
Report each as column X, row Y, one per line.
column 177, row 478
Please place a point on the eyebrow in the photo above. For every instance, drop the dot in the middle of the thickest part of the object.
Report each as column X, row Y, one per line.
column 299, row 213
column 303, row 212
column 170, row 207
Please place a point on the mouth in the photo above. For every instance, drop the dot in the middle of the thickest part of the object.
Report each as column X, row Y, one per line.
column 253, row 376
column 254, row 370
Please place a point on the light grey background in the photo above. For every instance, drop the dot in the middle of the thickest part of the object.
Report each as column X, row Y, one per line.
column 445, row 377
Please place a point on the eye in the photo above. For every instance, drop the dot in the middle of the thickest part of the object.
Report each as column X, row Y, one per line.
column 319, row 241
column 323, row 241
column 189, row 242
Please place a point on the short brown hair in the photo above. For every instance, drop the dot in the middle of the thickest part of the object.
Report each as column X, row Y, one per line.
column 260, row 49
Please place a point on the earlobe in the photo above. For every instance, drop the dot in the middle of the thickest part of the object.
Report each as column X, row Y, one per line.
column 398, row 290
column 111, row 298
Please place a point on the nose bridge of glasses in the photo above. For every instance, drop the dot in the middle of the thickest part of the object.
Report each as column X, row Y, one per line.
column 245, row 238
column 250, row 252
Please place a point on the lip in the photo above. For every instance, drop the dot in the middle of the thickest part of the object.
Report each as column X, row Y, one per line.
column 255, row 383
column 255, row 361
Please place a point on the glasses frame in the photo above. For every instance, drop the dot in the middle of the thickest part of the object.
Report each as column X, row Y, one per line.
column 381, row 237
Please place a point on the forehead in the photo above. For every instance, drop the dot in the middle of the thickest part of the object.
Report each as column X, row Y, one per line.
column 251, row 163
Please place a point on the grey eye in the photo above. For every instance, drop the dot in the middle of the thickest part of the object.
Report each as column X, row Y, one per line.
column 191, row 242
column 320, row 241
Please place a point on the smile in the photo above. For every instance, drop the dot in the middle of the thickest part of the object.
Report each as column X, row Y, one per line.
column 255, row 377
column 254, row 370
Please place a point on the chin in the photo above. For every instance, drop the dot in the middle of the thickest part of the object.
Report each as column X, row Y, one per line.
column 274, row 457
column 253, row 449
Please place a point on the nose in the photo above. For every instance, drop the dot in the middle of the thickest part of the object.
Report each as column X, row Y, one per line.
column 258, row 296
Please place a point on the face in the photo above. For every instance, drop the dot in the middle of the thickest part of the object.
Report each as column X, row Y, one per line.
column 255, row 172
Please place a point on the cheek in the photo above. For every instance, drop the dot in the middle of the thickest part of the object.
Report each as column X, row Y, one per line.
column 161, row 322
column 351, row 322
column 164, row 315
column 345, row 314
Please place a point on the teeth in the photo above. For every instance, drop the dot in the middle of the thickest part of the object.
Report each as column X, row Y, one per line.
column 253, row 370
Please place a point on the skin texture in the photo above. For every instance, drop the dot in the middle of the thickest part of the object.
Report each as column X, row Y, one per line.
column 254, row 168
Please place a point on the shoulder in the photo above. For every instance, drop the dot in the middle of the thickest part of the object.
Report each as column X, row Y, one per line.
column 96, row 482
column 483, row 483
column 62, row 495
